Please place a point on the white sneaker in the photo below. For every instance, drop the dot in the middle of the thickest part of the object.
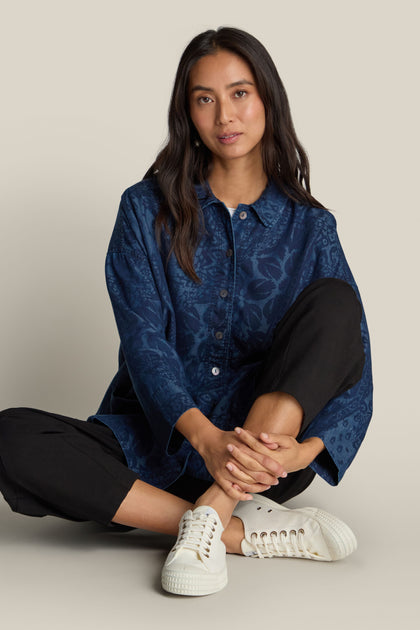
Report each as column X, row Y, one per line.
column 272, row 530
column 196, row 565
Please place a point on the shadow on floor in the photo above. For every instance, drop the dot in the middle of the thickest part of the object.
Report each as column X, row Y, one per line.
column 52, row 531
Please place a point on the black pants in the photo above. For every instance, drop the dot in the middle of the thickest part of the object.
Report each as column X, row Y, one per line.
column 55, row 465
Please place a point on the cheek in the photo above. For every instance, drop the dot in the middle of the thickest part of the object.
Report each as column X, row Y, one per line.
column 256, row 114
column 261, row 114
column 199, row 119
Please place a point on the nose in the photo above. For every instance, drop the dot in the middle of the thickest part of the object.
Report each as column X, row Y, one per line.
column 225, row 113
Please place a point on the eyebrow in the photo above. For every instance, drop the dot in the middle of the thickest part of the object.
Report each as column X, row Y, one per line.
column 197, row 88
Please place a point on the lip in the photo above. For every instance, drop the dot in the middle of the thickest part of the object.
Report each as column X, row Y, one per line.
column 229, row 138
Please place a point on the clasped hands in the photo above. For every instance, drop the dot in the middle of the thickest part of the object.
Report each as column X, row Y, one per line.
column 242, row 462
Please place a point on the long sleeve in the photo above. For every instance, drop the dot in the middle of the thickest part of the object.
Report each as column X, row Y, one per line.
column 145, row 319
column 186, row 344
column 343, row 422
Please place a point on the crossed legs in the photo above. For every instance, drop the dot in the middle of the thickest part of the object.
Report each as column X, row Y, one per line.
column 147, row 507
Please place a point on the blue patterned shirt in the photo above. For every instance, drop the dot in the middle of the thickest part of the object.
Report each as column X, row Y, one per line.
column 187, row 345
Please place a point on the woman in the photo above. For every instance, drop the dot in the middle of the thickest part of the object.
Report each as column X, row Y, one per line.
column 244, row 365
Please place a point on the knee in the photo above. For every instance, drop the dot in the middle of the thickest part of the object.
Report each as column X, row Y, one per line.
column 335, row 300
column 13, row 422
column 7, row 417
column 12, row 413
column 18, row 443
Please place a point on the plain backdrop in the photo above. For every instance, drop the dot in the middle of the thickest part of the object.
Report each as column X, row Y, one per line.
column 85, row 90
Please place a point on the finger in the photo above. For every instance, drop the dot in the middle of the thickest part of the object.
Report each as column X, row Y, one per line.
column 246, row 457
column 266, row 461
column 256, row 477
column 233, row 491
column 255, row 487
column 268, row 441
column 256, row 442
column 280, row 439
column 239, row 474
column 270, row 466
column 255, row 435
column 247, row 438
column 250, row 461
column 245, row 495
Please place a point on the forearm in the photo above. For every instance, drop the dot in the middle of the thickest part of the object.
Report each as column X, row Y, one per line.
column 196, row 427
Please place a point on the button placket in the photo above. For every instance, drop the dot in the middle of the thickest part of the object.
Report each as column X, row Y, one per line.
column 222, row 308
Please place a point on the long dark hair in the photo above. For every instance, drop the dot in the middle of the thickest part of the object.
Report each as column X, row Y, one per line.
column 181, row 163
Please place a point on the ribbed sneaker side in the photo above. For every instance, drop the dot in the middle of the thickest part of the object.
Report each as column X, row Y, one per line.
column 180, row 583
column 338, row 536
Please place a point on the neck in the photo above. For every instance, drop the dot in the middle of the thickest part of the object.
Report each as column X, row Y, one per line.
column 233, row 182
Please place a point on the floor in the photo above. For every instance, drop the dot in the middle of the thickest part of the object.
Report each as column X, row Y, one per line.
column 79, row 127
column 62, row 575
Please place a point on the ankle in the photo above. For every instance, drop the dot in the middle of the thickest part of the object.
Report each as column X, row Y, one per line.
column 216, row 498
column 233, row 536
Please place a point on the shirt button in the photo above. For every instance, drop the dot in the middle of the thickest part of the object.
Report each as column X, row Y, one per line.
column 229, row 253
column 243, row 215
column 219, row 335
column 223, row 293
column 215, row 371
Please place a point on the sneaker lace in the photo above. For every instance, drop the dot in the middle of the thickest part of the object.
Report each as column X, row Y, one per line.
column 197, row 533
column 280, row 543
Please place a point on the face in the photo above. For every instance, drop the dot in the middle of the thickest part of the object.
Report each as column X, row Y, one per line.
column 225, row 107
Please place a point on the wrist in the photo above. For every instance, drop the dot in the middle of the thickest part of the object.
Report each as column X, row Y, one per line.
column 310, row 449
column 198, row 429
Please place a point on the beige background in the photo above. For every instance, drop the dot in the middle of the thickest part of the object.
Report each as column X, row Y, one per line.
column 85, row 87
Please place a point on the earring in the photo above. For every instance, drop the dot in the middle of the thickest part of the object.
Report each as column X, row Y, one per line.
column 196, row 143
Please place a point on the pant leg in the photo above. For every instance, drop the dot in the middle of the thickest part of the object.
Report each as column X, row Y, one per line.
column 317, row 354
column 189, row 488
column 52, row 464
column 60, row 466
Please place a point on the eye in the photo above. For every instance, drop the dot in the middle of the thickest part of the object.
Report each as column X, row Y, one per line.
column 204, row 99
column 240, row 93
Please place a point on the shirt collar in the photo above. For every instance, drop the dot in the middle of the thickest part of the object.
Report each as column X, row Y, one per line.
column 268, row 206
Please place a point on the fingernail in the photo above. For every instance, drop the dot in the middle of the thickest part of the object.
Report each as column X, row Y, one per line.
column 248, row 498
column 284, row 475
column 238, row 430
column 230, row 448
column 229, row 467
column 264, row 435
column 276, row 483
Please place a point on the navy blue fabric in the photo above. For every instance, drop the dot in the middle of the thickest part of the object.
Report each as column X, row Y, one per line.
column 187, row 345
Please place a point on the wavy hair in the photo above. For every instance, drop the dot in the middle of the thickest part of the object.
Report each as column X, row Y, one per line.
column 184, row 160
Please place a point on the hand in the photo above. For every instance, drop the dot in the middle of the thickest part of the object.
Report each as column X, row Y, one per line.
column 254, row 477
column 284, row 449
column 308, row 450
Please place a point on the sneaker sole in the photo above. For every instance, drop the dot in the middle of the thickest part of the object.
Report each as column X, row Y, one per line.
column 180, row 584
column 344, row 542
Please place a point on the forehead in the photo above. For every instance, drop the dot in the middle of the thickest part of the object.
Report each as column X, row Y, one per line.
column 219, row 69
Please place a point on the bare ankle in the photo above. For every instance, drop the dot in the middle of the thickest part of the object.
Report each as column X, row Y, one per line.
column 233, row 536
column 216, row 498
